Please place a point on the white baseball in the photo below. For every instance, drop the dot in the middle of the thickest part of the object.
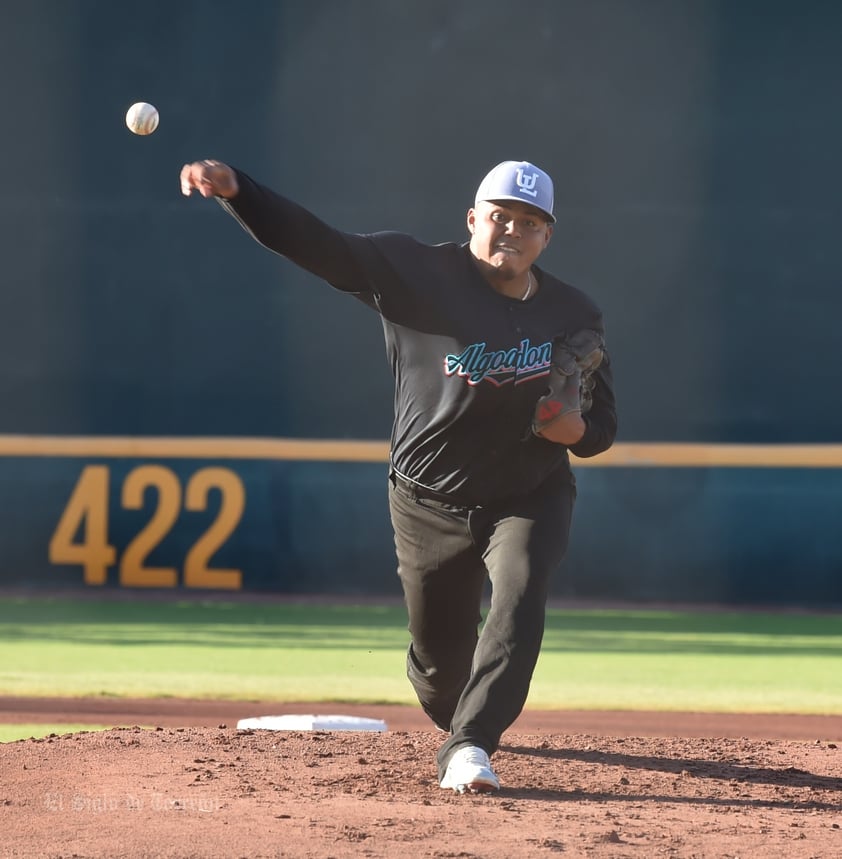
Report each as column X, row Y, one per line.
column 142, row 118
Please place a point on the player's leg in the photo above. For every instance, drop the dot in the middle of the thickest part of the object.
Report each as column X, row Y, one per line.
column 523, row 547
column 442, row 575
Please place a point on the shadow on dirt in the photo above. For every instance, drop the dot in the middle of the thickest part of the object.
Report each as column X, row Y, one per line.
column 726, row 771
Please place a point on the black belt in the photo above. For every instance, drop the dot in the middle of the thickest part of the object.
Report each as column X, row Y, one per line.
column 416, row 490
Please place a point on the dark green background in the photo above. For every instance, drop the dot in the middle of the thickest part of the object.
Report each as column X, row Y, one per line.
column 695, row 147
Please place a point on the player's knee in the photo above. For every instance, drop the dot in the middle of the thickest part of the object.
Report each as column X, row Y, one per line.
column 439, row 669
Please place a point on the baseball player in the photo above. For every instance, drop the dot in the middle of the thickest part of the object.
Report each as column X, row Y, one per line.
column 500, row 369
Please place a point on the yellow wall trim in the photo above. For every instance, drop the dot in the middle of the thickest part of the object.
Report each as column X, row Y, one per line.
column 622, row 455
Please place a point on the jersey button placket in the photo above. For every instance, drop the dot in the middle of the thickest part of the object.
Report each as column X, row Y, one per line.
column 513, row 308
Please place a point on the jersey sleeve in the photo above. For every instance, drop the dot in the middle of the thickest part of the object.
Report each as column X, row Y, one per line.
column 294, row 232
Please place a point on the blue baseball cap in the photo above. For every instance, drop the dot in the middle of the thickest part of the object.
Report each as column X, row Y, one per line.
column 518, row 180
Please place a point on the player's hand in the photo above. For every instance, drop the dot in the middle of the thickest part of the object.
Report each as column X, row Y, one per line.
column 210, row 178
column 566, row 430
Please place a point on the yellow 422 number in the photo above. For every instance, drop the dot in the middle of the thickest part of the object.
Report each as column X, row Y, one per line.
column 86, row 515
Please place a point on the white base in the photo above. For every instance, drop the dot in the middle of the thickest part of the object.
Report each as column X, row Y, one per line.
column 310, row 723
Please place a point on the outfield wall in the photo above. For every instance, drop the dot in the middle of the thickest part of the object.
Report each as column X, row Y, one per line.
column 300, row 517
column 695, row 151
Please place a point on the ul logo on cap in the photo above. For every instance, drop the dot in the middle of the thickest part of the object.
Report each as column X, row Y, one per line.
column 527, row 183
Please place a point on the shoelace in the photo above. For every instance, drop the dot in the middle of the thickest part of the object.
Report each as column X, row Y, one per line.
column 475, row 756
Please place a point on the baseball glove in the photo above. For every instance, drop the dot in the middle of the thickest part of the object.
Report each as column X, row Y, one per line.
column 574, row 360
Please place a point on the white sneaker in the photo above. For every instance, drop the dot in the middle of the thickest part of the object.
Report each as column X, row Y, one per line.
column 470, row 771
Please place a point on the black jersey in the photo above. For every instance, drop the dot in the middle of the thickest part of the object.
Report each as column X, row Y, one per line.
column 469, row 363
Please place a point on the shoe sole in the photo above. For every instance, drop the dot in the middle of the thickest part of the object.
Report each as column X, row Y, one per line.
column 476, row 787
column 473, row 787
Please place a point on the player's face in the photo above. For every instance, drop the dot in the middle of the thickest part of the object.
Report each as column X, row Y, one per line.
column 507, row 236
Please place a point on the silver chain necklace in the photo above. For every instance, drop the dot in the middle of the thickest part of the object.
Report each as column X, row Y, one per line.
column 529, row 282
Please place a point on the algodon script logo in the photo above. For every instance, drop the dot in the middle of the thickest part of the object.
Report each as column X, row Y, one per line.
column 516, row 364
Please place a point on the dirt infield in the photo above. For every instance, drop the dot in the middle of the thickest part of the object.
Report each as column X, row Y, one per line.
column 574, row 784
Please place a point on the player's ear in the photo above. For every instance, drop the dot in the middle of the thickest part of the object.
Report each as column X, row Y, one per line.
column 471, row 219
column 548, row 235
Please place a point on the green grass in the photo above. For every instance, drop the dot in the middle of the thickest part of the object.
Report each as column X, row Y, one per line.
column 592, row 659
column 10, row 733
